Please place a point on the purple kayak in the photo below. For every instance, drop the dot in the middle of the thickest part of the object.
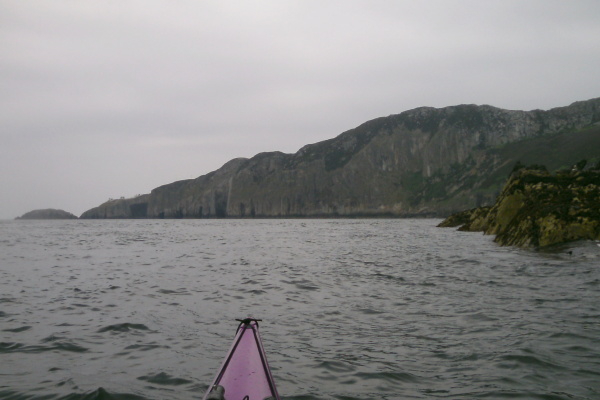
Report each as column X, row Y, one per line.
column 245, row 373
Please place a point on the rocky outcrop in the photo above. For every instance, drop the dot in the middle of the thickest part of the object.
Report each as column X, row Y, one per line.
column 539, row 209
column 469, row 220
column 48, row 213
column 427, row 161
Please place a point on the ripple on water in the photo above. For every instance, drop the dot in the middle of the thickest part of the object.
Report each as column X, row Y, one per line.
column 102, row 394
column 391, row 377
column 124, row 327
column 303, row 284
column 164, row 379
column 19, row 329
column 336, row 366
column 145, row 347
column 14, row 347
column 353, row 309
column 176, row 292
column 524, row 360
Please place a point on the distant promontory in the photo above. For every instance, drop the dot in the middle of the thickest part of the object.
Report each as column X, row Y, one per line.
column 48, row 213
column 539, row 209
column 427, row 162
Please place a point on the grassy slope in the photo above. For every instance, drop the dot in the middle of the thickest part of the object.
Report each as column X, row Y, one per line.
column 555, row 152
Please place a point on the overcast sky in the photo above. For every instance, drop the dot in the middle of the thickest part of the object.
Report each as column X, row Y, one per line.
column 111, row 98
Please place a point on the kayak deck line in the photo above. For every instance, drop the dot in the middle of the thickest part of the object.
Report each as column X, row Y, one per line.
column 245, row 372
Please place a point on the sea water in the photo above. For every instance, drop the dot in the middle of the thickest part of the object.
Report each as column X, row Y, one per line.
column 351, row 309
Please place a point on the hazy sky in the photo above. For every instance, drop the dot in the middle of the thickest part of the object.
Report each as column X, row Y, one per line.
column 111, row 98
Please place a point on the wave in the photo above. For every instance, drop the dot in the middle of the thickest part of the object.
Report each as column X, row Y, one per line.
column 124, row 327
column 13, row 347
column 164, row 379
column 529, row 360
column 102, row 394
column 392, row 377
column 19, row 329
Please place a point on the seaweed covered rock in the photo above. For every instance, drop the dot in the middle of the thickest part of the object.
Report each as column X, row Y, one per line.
column 539, row 209
column 466, row 219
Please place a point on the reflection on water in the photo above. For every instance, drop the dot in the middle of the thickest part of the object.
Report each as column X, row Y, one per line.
column 352, row 309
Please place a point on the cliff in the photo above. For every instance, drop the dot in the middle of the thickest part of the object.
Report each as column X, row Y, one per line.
column 122, row 208
column 427, row 161
column 539, row 209
column 49, row 213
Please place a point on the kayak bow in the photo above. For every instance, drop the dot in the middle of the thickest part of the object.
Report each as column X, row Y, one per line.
column 245, row 373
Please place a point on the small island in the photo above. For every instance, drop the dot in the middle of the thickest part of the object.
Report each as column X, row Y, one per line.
column 538, row 209
column 48, row 213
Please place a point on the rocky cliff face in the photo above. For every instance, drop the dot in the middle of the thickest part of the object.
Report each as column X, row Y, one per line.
column 136, row 207
column 538, row 209
column 425, row 161
column 48, row 213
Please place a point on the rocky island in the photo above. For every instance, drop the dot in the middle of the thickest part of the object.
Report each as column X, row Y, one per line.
column 539, row 209
column 428, row 162
column 48, row 213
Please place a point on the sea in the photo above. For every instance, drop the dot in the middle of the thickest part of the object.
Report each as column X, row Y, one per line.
column 351, row 309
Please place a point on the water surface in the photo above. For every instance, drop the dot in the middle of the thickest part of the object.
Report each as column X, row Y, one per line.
column 352, row 309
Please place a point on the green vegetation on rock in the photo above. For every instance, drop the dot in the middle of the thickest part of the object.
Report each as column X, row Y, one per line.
column 540, row 209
